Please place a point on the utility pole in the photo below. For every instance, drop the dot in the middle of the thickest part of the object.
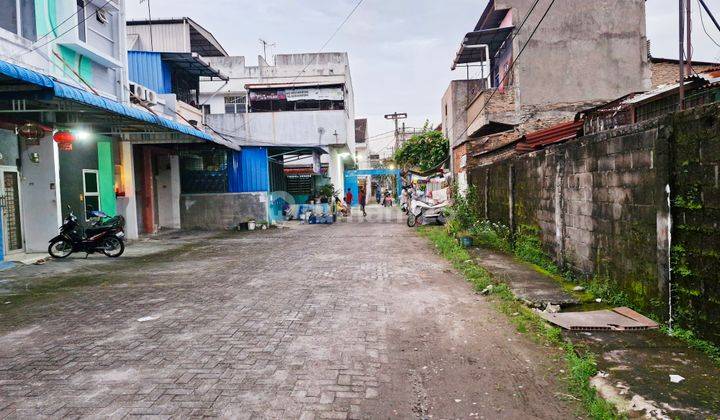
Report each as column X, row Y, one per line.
column 688, row 30
column 152, row 46
column 681, row 60
column 396, row 116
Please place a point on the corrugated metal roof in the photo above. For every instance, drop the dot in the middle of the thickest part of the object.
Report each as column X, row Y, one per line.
column 552, row 135
column 71, row 93
column 147, row 69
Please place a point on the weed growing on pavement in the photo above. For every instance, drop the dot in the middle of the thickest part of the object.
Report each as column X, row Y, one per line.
column 581, row 365
column 689, row 338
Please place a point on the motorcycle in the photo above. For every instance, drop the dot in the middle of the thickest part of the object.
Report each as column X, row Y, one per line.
column 105, row 234
column 426, row 213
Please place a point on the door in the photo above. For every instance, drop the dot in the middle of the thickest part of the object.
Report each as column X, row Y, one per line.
column 11, row 211
column 91, row 191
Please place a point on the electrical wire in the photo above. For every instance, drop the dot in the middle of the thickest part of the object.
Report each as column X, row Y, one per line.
column 337, row 30
column 24, row 53
column 512, row 66
column 703, row 25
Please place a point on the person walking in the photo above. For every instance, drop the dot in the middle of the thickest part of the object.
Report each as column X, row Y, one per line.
column 378, row 195
column 361, row 200
column 349, row 199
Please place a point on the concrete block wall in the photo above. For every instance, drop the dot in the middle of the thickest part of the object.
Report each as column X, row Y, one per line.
column 601, row 205
column 222, row 211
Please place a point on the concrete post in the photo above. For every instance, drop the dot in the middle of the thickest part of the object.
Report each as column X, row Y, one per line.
column 127, row 205
column 148, row 210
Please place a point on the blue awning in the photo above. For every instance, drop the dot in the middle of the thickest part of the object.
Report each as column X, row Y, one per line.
column 71, row 93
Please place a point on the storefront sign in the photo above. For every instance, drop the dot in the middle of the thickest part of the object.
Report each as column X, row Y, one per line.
column 315, row 94
column 268, row 96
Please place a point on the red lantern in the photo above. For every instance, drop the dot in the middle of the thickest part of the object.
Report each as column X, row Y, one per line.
column 64, row 139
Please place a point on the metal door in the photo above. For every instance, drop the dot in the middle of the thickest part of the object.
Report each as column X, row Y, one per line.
column 11, row 212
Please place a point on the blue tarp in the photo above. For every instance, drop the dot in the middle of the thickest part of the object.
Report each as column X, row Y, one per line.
column 65, row 91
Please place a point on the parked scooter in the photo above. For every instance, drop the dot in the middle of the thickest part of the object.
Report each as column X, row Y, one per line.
column 425, row 213
column 104, row 235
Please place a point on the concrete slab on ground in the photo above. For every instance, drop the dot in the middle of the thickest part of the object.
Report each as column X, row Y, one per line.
column 524, row 281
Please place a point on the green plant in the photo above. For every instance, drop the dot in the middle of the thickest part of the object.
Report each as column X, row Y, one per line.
column 423, row 151
column 328, row 190
column 581, row 367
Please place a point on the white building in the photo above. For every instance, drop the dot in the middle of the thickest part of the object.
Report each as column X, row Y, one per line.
column 300, row 106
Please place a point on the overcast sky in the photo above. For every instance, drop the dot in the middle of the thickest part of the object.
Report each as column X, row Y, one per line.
column 400, row 50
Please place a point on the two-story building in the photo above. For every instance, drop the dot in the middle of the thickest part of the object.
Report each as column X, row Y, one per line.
column 299, row 110
column 582, row 54
column 66, row 117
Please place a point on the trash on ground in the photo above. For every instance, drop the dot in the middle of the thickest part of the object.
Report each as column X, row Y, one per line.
column 487, row 290
column 578, row 289
column 676, row 379
column 598, row 300
column 148, row 318
column 552, row 309
column 617, row 319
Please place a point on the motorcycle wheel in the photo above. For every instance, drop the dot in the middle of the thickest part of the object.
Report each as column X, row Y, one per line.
column 113, row 247
column 60, row 248
column 411, row 220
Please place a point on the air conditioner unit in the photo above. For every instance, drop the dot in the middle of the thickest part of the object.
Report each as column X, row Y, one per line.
column 151, row 97
column 138, row 93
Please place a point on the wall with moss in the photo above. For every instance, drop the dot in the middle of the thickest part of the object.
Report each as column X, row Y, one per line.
column 601, row 209
column 696, row 214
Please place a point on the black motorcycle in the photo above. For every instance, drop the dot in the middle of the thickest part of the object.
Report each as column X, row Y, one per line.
column 104, row 235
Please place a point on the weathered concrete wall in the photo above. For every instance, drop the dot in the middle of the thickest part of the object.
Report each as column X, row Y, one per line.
column 583, row 51
column 696, row 218
column 601, row 205
column 221, row 211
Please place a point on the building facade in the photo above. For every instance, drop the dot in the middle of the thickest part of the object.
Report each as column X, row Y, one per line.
column 66, row 118
column 300, row 111
column 581, row 55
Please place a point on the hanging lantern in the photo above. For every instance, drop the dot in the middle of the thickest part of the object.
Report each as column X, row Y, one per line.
column 64, row 139
column 30, row 132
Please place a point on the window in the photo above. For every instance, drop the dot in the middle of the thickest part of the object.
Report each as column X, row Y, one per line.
column 91, row 191
column 82, row 33
column 205, row 109
column 235, row 104
column 22, row 11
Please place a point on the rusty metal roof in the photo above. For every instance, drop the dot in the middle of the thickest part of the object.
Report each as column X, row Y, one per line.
column 552, row 135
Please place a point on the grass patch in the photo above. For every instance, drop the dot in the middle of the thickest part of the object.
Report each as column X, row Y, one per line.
column 581, row 365
column 689, row 338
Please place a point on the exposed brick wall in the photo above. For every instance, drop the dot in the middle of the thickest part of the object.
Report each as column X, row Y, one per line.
column 665, row 73
column 601, row 207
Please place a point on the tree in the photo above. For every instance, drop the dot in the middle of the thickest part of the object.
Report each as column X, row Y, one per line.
column 423, row 151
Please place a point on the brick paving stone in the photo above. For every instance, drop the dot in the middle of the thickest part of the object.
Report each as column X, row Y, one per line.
column 287, row 323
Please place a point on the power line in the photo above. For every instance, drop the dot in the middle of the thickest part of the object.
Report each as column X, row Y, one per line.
column 703, row 26
column 58, row 36
column 512, row 66
column 347, row 18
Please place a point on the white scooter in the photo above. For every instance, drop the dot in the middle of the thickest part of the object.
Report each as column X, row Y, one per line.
column 425, row 213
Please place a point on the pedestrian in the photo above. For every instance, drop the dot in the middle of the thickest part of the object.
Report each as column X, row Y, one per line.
column 361, row 200
column 349, row 199
column 378, row 194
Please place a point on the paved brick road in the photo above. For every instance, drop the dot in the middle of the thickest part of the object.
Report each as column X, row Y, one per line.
column 355, row 320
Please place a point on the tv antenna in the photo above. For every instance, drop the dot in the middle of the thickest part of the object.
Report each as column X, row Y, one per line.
column 265, row 45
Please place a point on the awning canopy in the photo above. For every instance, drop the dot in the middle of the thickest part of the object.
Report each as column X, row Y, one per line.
column 472, row 48
column 24, row 92
column 193, row 64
